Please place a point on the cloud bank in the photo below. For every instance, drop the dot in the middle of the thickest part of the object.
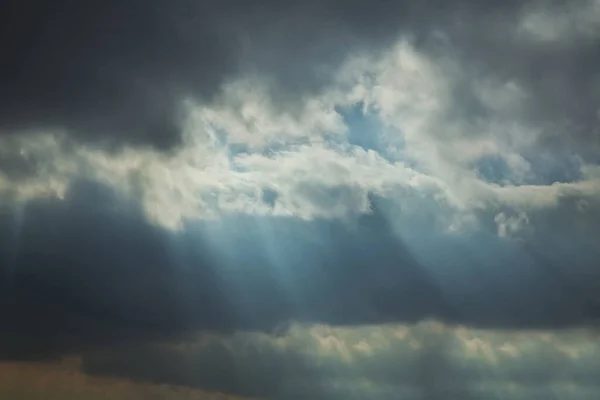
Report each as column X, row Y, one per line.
column 242, row 154
column 424, row 361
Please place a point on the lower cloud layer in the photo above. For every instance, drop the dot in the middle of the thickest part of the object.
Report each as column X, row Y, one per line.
column 428, row 360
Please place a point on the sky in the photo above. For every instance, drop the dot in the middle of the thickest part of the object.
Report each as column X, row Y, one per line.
column 300, row 199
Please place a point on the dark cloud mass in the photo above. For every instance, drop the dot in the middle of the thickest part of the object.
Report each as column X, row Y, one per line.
column 74, row 273
column 113, row 70
column 104, row 283
column 118, row 71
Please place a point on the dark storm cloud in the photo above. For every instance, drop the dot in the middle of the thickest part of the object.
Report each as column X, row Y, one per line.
column 76, row 275
column 120, row 71
column 106, row 69
column 70, row 267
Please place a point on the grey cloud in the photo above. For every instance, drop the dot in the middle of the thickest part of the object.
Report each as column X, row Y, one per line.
column 424, row 361
column 119, row 72
column 80, row 276
column 558, row 77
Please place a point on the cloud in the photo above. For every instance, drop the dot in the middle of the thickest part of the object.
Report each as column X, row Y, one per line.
column 119, row 73
column 444, row 165
column 90, row 270
column 560, row 23
column 427, row 360
column 311, row 175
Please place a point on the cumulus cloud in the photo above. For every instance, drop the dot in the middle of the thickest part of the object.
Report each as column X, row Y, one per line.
column 459, row 168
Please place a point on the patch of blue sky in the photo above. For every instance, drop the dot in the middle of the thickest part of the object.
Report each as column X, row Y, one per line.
column 235, row 149
column 366, row 131
column 544, row 170
column 551, row 169
column 494, row 169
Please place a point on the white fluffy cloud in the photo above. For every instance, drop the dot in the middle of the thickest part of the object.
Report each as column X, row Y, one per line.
column 240, row 150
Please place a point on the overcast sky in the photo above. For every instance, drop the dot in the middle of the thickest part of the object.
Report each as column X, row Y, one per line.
column 300, row 199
